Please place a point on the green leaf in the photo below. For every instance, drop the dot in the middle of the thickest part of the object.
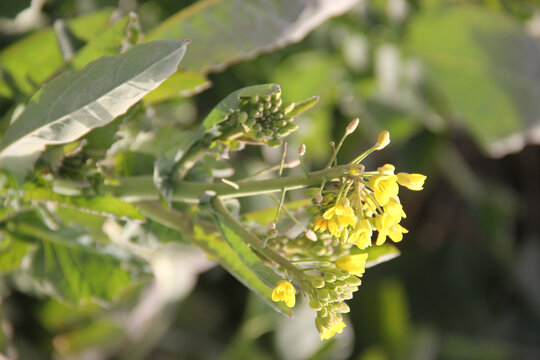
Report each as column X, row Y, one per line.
column 65, row 268
column 74, row 103
column 248, row 257
column 101, row 205
column 487, row 67
column 180, row 84
column 379, row 254
column 32, row 60
column 215, row 247
column 221, row 252
column 224, row 32
column 12, row 252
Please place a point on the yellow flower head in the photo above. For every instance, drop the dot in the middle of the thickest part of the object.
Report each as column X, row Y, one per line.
column 384, row 187
column 394, row 209
column 388, row 225
column 284, row 291
column 411, row 181
column 327, row 331
column 320, row 224
column 361, row 235
column 383, row 140
column 339, row 216
column 354, row 264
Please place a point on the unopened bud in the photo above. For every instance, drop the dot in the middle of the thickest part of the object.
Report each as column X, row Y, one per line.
column 302, row 150
column 352, row 126
column 318, row 198
column 310, row 234
column 383, row 139
column 271, row 226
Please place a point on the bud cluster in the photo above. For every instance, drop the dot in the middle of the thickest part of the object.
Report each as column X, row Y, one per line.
column 262, row 119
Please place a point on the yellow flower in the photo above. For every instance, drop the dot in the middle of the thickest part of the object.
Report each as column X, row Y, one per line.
column 383, row 139
column 386, row 169
column 384, row 187
column 284, row 291
column 337, row 327
column 361, row 235
column 394, row 209
column 411, row 181
column 339, row 216
column 327, row 330
column 388, row 225
column 320, row 224
column 354, row 264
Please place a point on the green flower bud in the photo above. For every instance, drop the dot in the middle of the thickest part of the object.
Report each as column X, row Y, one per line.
column 254, row 99
column 323, row 294
column 353, row 281
column 329, row 277
column 315, row 304
column 317, row 282
column 288, row 108
column 274, row 142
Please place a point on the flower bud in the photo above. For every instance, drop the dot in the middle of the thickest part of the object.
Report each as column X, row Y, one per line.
column 302, row 150
column 382, row 140
column 352, row 126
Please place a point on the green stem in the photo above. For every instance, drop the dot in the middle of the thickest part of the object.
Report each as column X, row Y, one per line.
column 142, row 188
column 252, row 240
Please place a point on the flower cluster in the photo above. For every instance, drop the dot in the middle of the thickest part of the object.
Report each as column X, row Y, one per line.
column 346, row 217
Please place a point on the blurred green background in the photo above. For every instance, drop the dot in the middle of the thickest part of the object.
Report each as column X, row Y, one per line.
column 457, row 84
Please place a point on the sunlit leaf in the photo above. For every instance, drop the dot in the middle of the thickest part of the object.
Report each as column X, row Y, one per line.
column 74, row 103
column 379, row 254
column 12, row 252
column 224, row 32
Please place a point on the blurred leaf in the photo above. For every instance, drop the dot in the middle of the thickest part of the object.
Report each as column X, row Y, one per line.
column 65, row 268
column 32, row 60
column 180, row 84
column 101, row 205
column 487, row 66
column 379, row 254
column 265, row 216
column 224, row 32
column 12, row 252
column 99, row 333
column 105, row 89
column 108, row 43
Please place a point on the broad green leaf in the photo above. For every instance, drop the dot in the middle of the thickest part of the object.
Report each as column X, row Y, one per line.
column 12, row 252
column 180, row 84
column 100, row 205
column 487, row 67
column 65, row 268
column 248, row 257
column 379, row 254
column 32, row 60
column 75, row 102
column 224, row 32
column 215, row 247
column 220, row 251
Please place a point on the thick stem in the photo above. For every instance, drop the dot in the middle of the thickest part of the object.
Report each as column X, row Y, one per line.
column 142, row 188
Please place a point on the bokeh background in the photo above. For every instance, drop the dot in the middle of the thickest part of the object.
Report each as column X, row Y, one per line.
column 457, row 84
